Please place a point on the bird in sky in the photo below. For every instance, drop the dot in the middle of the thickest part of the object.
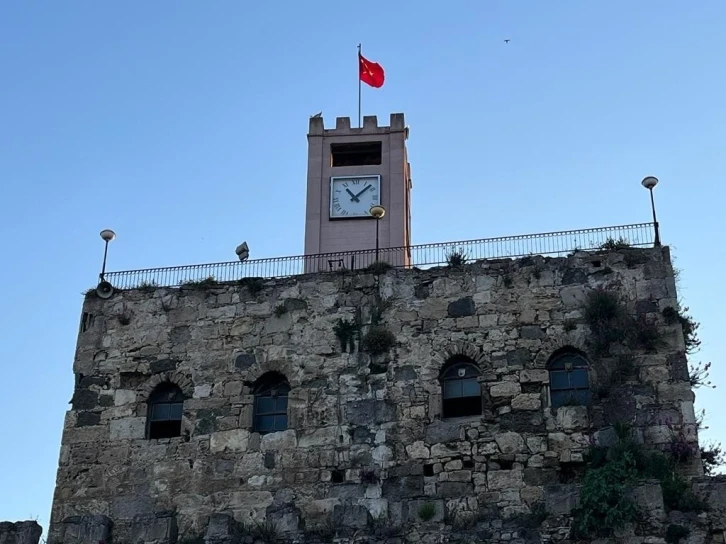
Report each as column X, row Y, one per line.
column 507, row 41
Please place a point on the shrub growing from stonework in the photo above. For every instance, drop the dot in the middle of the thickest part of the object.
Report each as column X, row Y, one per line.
column 610, row 323
column 610, row 476
column 604, row 501
column 378, row 340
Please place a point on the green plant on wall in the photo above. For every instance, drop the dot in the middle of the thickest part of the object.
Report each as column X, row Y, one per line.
column 457, row 257
column 426, row 511
column 346, row 330
column 674, row 533
column 610, row 323
column 611, row 473
column 611, row 244
column 201, row 284
column 604, row 501
column 688, row 324
column 379, row 267
column 378, row 340
column 254, row 285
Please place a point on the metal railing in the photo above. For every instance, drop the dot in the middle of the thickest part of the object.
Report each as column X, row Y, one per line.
column 419, row 256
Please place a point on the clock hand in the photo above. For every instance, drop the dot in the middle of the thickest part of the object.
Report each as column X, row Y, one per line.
column 364, row 190
column 353, row 198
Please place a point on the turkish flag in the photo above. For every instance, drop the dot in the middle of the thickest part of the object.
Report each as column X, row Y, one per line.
column 371, row 73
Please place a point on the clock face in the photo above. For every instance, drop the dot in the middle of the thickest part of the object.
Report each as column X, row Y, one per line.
column 353, row 196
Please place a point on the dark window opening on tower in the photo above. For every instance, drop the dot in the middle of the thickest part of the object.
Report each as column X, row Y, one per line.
column 460, row 389
column 86, row 321
column 569, row 380
column 358, row 154
column 166, row 406
column 270, row 410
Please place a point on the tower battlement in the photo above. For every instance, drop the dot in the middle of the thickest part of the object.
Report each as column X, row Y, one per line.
column 343, row 127
column 349, row 171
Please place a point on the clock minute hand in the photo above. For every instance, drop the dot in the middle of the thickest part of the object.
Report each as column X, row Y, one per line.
column 363, row 191
column 353, row 197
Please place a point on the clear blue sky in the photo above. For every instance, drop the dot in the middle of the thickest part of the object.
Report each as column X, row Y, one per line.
column 181, row 125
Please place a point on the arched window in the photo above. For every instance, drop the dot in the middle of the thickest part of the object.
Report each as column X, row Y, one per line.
column 166, row 405
column 271, row 391
column 460, row 389
column 569, row 381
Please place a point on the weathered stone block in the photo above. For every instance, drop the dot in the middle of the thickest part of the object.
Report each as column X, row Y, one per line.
column 20, row 532
column 572, row 418
column 405, row 373
column 86, row 419
column 450, row 449
column 527, row 401
column 505, row 389
column 534, row 376
column 128, row 507
column 124, row 396
column 573, row 295
column 561, row 498
column 154, row 529
column 84, row 399
column 444, row 431
column 462, row 307
column 220, row 529
column 498, row 480
column 648, row 496
column 532, row 332
column 280, row 440
column 510, row 442
column 234, row 440
column 128, row 427
column 244, row 361
column 352, row 515
column 402, row 487
column 418, row 450
column 163, row 365
column 367, row 412
column 674, row 392
column 324, row 436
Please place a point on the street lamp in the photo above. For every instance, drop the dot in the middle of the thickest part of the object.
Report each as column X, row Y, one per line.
column 378, row 212
column 107, row 235
column 104, row 288
column 649, row 183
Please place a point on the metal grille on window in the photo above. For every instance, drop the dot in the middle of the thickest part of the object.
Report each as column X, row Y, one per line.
column 166, row 407
column 460, row 390
column 569, row 380
column 271, row 403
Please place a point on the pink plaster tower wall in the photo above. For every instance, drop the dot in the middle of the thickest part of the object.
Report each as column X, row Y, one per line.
column 323, row 235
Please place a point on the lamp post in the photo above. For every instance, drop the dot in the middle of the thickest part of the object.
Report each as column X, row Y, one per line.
column 378, row 212
column 649, row 183
column 106, row 235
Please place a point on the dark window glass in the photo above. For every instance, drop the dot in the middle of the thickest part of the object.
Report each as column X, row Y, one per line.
column 270, row 408
column 569, row 380
column 166, row 407
column 460, row 390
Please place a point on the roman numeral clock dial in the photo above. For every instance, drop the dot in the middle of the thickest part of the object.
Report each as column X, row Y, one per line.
column 352, row 196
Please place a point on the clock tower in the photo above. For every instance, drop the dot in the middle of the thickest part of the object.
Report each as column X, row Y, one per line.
column 350, row 170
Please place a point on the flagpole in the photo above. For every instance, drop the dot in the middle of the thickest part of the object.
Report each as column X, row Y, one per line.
column 359, row 85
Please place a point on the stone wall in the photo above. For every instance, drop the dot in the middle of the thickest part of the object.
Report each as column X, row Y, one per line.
column 366, row 445
column 20, row 532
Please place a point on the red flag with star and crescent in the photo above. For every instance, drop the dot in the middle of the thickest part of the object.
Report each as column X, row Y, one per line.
column 371, row 73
